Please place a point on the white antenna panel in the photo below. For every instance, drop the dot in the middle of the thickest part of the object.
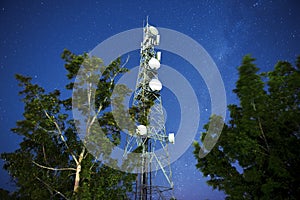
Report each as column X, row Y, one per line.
column 172, row 138
column 151, row 41
column 158, row 56
column 157, row 40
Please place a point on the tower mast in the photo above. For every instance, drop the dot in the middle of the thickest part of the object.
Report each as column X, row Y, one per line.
column 150, row 138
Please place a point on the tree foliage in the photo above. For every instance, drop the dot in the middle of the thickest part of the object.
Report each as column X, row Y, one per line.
column 257, row 154
column 52, row 162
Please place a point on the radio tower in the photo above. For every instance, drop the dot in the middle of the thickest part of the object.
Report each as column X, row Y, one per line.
column 150, row 138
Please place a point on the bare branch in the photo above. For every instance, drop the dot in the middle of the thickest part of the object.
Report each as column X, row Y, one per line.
column 44, row 153
column 127, row 59
column 89, row 125
column 78, row 170
column 49, row 131
column 51, row 188
column 54, row 169
column 61, row 136
column 263, row 135
column 261, row 128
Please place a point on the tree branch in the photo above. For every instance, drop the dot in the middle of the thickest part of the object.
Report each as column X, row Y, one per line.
column 263, row 135
column 127, row 59
column 61, row 136
column 54, row 169
column 78, row 170
column 89, row 124
column 260, row 127
column 49, row 131
column 44, row 153
column 49, row 187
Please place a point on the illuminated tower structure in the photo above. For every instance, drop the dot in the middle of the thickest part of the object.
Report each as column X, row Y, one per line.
column 150, row 136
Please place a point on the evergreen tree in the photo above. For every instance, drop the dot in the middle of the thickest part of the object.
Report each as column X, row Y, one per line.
column 257, row 154
column 52, row 162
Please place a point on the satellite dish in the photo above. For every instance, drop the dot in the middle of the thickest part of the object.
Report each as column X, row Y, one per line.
column 155, row 85
column 141, row 130
column 172, row 138
column 153, row 30
column 154, row 63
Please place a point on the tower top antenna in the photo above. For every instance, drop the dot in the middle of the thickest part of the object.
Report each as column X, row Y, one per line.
column 147, row 19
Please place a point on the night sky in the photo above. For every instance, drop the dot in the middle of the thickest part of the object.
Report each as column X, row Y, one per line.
column 34, row 33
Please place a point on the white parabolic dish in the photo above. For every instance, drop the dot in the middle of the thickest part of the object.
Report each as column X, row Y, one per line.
column 153, row 30
column 142, row 130
column 155, row 85
column 154, row 63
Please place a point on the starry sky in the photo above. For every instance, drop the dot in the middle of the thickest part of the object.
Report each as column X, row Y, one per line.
column 34, row 33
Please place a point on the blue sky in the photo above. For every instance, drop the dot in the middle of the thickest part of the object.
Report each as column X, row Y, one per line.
column 34, row 34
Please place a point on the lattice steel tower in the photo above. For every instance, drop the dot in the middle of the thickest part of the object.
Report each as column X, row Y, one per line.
column 150, row 138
